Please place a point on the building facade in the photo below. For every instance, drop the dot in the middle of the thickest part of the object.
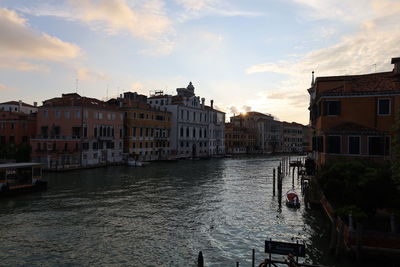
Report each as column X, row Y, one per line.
column 239, row 140
column 197, row 130
column 147, row 129
column 18, row 106
column 352, row 116
column 74, row 131
column 293, row 135
column 16, row 127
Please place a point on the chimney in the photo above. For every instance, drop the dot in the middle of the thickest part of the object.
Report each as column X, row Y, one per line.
column 212, row 103
column 35, row 104
column 19, row 105
column 396, row 62
column 202, row 102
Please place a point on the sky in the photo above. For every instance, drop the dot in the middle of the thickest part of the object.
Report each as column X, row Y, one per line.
column 246, row 55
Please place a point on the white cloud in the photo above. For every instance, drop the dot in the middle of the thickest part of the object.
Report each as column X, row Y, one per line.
column 146, row 21
column 91, row 75
column 6, row 88
column 19, row 43
column 200, row 8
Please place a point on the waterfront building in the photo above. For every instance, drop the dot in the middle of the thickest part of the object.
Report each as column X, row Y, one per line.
column 268, row 131
column 293, row 134
column 352, row 116
column 239, row 140
column 147, row 129
column 197, row 130
column 75, row 131
column 16, row 127
column 19, row 106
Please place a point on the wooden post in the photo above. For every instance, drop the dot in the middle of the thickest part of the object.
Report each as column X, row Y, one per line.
column 293, row 177
column 393, row 223
column 358, row 240
column 237, row 264
column 273, row 183
column 253, row 258
column 200, row 260
column 269, row 257
column 333, row 236
column 339, row 239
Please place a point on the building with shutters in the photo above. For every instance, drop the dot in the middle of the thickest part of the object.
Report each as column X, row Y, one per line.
column 352, row 116
column 74, row 131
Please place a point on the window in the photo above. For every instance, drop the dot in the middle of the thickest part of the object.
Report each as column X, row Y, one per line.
column 378, row 145
column 133, row 131
column 67, row 114
column 58, row 114
column 384, row 106
column 354, row 145
column 194, row 133
column 331, row 107
column 181, row 132
column 78, row 114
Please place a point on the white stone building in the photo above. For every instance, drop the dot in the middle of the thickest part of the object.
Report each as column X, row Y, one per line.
column 197, row 130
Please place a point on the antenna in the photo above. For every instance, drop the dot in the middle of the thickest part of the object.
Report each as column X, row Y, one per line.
column 374, row 66
column 76, row 85
column 107, row 92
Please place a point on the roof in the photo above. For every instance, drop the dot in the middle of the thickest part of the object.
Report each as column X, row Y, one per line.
column 374, row 82
column 17, row 103
column 74, row 99
column 19, row 165
column 351, row 127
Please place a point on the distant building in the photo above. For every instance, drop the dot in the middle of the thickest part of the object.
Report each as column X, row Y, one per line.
column 18, row 106
column 268, row 131
column 293, row 135
column 239, row 140
column 352, row 116
column 16, row 127
column 197, row 130
column 147, row 129
column 75, row 131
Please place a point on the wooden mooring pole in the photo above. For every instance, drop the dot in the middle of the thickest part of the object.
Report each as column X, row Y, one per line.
column 253, row 258
column 200, row 260
column 332, row 242
column 273, row 182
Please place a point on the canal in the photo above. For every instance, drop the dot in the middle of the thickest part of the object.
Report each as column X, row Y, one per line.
column 162, row 214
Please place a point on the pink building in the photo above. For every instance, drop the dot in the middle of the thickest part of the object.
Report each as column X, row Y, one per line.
column 74, row 131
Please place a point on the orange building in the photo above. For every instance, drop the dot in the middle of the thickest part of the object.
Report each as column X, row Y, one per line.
column 147, row 128
column 239, row 140
column 352, row 116
column 75, row 131
column 16, row 127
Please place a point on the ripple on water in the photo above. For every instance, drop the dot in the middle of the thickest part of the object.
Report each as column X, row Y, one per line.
column 160, row 215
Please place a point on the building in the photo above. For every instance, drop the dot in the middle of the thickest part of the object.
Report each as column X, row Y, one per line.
column 293, row 135
column 197, row 130
column 268, row 131
column 14, row 106
column 75, row 131
column 16, row 127
column 352, row 116
column 147, row 129
column 239, row 140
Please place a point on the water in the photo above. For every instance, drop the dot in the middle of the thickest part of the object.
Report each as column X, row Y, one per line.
column 159, row 215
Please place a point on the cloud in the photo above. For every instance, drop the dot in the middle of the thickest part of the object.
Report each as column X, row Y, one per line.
column 199, row 8
column 6, row 88
column 146, row 21
column 19, row 43
column 91, row 75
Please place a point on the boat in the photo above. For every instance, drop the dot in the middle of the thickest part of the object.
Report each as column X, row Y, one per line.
column 292, row 199
column 135, row 163
column 21, row 178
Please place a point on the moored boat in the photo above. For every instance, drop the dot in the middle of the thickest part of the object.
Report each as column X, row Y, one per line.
column 21, row 178
column 292, row 199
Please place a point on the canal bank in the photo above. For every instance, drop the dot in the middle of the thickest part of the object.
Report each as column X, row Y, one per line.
column 162, row 214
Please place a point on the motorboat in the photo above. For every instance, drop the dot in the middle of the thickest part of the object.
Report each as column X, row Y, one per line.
column 292, row 199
